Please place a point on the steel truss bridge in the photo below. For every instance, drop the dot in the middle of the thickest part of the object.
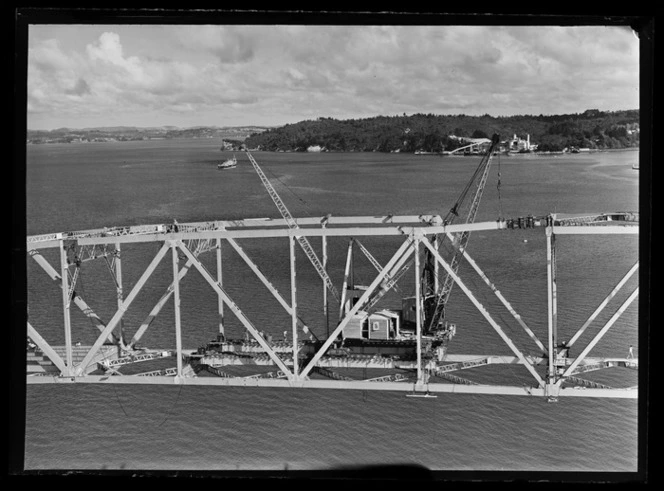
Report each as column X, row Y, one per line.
column 186, row 241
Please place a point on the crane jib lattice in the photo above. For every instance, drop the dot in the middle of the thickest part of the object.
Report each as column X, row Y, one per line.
column 292, row 224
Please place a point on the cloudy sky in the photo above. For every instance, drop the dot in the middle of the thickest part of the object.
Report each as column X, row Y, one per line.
column 151, row 75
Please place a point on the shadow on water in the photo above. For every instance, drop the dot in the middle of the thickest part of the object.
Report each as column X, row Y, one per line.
column 406, row 472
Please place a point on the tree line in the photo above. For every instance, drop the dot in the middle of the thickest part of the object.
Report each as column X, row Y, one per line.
column 592, row 129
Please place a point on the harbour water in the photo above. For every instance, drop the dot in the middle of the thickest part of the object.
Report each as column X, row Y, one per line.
column 80, row 186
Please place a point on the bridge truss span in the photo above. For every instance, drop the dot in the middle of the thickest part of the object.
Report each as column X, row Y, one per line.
column 301, row 361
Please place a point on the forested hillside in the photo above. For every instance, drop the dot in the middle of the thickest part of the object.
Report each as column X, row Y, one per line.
column 592, row 129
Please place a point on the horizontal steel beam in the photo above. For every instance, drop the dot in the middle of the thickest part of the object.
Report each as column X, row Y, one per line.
column 37, row 241
column 402, row 387
column 595, row 229
column 389, row 230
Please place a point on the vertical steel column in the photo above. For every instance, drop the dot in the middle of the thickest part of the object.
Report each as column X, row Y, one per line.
column 176, row 303
column 118, row 286
column 550, row 301
column 418, row 311
column 326, row 311
column 554, row 291
column 220, row 302
column 436, row 266
column 64, row 273
column 291, row 240
column 351, row 278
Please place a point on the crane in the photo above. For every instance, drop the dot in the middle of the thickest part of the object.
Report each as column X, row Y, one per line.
column 292, row 224
column 435, row 299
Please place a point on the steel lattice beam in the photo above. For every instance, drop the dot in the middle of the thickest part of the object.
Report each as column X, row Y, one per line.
column 123, row 308
column 484, row 312
column 193, row 239
column 235, row 309
column 402, row 253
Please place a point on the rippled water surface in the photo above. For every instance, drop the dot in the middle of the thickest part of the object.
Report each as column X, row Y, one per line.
column 75, row 187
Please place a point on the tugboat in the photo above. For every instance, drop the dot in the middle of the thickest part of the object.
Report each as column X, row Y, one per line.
column 228, row 164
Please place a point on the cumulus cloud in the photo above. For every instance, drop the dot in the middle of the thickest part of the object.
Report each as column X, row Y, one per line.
column 115, row 82
column 275, row 74
column 108, row 49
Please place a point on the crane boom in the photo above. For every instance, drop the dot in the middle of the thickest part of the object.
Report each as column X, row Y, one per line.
column 373, row 261
column 436, row 314
column 292, row 224
column 436, row 300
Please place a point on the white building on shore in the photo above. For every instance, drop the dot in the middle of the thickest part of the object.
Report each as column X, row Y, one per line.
column 516, row 144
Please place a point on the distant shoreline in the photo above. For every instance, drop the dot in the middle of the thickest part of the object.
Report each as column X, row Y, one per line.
column 159, row 139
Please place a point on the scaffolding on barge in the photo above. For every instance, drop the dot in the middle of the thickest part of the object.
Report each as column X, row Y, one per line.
column 289, row 367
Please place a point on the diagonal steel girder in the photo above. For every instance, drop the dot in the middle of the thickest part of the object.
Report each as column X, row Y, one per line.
column 234, row 308
column 185, row 269
column 80, row 303
column 344, row 287
column 122, row 309
column 604, row 303
column 167, row 295
column 484, row 312
column 46, row 348
column 601, row 333
column 500, row 297
column 402, row 253
column 272, row 289
column 159, row 305
column 394, row 274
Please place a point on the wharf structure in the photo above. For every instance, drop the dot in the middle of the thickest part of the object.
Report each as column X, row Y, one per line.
column 309, row 363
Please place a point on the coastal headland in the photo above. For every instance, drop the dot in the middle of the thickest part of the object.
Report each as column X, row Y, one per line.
column 418, row 133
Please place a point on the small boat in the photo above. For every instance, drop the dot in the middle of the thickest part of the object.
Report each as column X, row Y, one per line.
column 228, row 164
